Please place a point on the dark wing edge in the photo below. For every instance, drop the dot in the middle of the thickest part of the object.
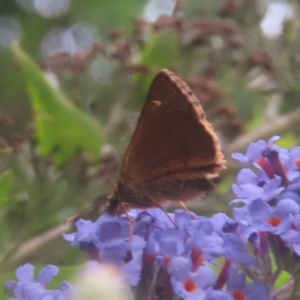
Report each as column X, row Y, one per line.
column 198, row 112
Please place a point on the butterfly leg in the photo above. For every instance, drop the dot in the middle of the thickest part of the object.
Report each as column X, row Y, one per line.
column 182, row 206
column 159, row 206
column 123, row 205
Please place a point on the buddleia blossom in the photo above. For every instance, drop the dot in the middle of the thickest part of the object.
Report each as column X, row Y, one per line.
column 180, row 257
column 28, row 288
column 107, row 240
column 165, row 255
column 238, row 287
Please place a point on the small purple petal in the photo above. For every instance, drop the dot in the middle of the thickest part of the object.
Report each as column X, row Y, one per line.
column 113, row 253
column 236, row 280
column 218, row 295
column 205, row 277
column 180, row 266
column 153, row 242
column 25, row 273
column 257, row 290
column 260, row 209
column 46, row 274
column 273, row 139
column 132, row 270
column 253, row 152
column 289, row 206
column 246, row 176
column 182, row 217
column 171, row 242
column 137, row 243
column 10, row 285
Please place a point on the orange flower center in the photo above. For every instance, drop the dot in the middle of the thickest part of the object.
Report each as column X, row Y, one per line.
column 297, row 162
column 167, row 260
column 274, row 221
column 239, row 295
column 190, row 286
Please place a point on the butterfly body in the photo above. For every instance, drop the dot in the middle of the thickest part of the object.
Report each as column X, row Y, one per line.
column 143, row 196
column 174, row 151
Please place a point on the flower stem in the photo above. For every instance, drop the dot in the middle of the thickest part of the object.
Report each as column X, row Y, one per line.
column 294, row 295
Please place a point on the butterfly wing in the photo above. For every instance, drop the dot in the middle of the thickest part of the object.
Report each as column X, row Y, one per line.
column 173, row 139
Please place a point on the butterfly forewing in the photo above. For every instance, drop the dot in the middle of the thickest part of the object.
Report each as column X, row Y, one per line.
column 173, row 139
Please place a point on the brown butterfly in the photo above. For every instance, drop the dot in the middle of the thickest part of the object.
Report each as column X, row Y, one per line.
column 174, row 151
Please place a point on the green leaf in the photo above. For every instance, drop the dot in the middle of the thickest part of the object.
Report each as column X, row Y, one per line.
column 6, row 180
column 62, row 129
column 282, row 279
column 225, row 185
column 162, row 50
column 288, row 140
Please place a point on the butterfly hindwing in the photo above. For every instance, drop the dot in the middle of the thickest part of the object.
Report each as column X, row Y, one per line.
column 173, row 139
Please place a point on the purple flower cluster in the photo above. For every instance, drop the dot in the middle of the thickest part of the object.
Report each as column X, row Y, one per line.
column 28, row 288
column 219, row 258
column 179, row 258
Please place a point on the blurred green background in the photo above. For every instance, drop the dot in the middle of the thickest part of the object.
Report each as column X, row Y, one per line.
column 71, row 91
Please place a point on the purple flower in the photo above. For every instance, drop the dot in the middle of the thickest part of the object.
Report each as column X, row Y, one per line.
column 295, row 156
column 272, row 159
column 291, row 238
column 190, row 285
column 179, row 265
column 218, row 295
column 28, row 288
column 241, row 214
column 131, row 270
column 236, row 251
column 289, row 166
column 201, row 241
column 85, row 233
column 183, row 217
column 251, row 186
column 239, row 289
column 151, row 252
column 244, row 228
column 253, row 153
column 109, row 229
column 153, row 218
column 116, row 246
column 153, row 242
column 221, row 221
column 288, row 205
column 291, row 192
column 172, row 242
column 84, row 237
column 109, row 240
column 267, row 218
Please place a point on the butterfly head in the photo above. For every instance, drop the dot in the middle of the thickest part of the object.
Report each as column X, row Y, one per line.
column 113, row 205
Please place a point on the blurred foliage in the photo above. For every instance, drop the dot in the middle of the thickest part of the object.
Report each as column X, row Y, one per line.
column 88, row 94
column 62, row 130
column 5, row 186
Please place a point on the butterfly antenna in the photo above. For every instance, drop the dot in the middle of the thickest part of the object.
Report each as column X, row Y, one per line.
column 99, row 201
column 159, row 206
column 182, row 206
